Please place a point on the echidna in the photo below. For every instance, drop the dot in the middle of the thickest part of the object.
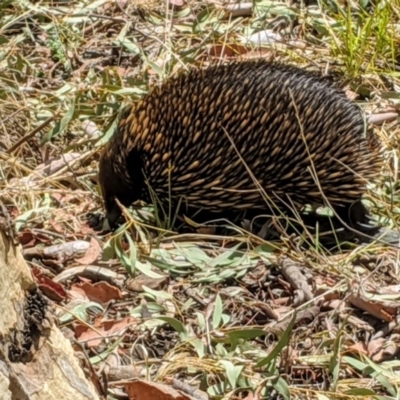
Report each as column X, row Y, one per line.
column 241, row 136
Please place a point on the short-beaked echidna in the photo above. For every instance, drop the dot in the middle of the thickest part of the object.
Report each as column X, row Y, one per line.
column 206, row 138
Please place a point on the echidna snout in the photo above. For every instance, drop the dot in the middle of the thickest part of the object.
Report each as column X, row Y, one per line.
column 120, row 177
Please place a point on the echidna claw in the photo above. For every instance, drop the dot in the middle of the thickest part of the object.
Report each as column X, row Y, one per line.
column 366, row 227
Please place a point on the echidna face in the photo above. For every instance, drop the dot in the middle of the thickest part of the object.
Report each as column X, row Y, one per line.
column 113, row 186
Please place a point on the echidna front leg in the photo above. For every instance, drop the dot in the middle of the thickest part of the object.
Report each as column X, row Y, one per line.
column 356, row 216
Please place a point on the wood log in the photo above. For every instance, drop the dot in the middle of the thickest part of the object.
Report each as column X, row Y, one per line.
column 36, row 361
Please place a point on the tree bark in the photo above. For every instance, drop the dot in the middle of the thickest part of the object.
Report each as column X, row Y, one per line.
column 36, row 361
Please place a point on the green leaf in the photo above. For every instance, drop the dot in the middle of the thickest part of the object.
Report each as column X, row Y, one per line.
column 199, row 346
column 177, row 325
column 357, row 364
column 130, row 46
column 334, row 362
column 109, row 133
column 145, row 269
column 108, row 250
column 204, row 18
column 281, row 386
column 221, row 350
column 80, row 311
column 380, row 374
column 4, row 5
column 383, row 398
column 156, row 68
column 232, row 372
column 196, row 255
column 375, row 371
column 283, row 341
column 217, row 315
column 121, row 255
column 170, row 265
column 226, row 258
column 104, row 355
column 217, row 390
column 129, row 91
column 227, row 273
column 266, row 250
column 201, row 320
column 246, row 333
column 22, row 219
column 360, row 392
column 151, row 307
column 225, row 319
column 132, row 255
column 61, row 125
column 158, row 293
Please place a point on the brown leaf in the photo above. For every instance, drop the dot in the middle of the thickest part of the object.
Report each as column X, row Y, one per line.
column 122, row 372
column 358, row 348
column 29, row 239
column 57, row 226
column 375, row 348
column 51, row 289
column 176, row 3
column 85, row 229
column 379, row 119
column 100, row 292
column 228, row 50
column 381, row 349
column 92, row 253
column 76, row 292
column 377, row 309
column 136, row 284
column 144, row 390
column 106, row 329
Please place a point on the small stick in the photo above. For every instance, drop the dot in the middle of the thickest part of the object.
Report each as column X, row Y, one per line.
column 31, row 134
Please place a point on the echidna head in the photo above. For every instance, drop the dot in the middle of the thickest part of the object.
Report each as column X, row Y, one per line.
column 114, row 184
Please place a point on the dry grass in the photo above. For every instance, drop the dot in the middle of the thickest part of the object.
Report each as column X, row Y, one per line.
column 224, row 320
